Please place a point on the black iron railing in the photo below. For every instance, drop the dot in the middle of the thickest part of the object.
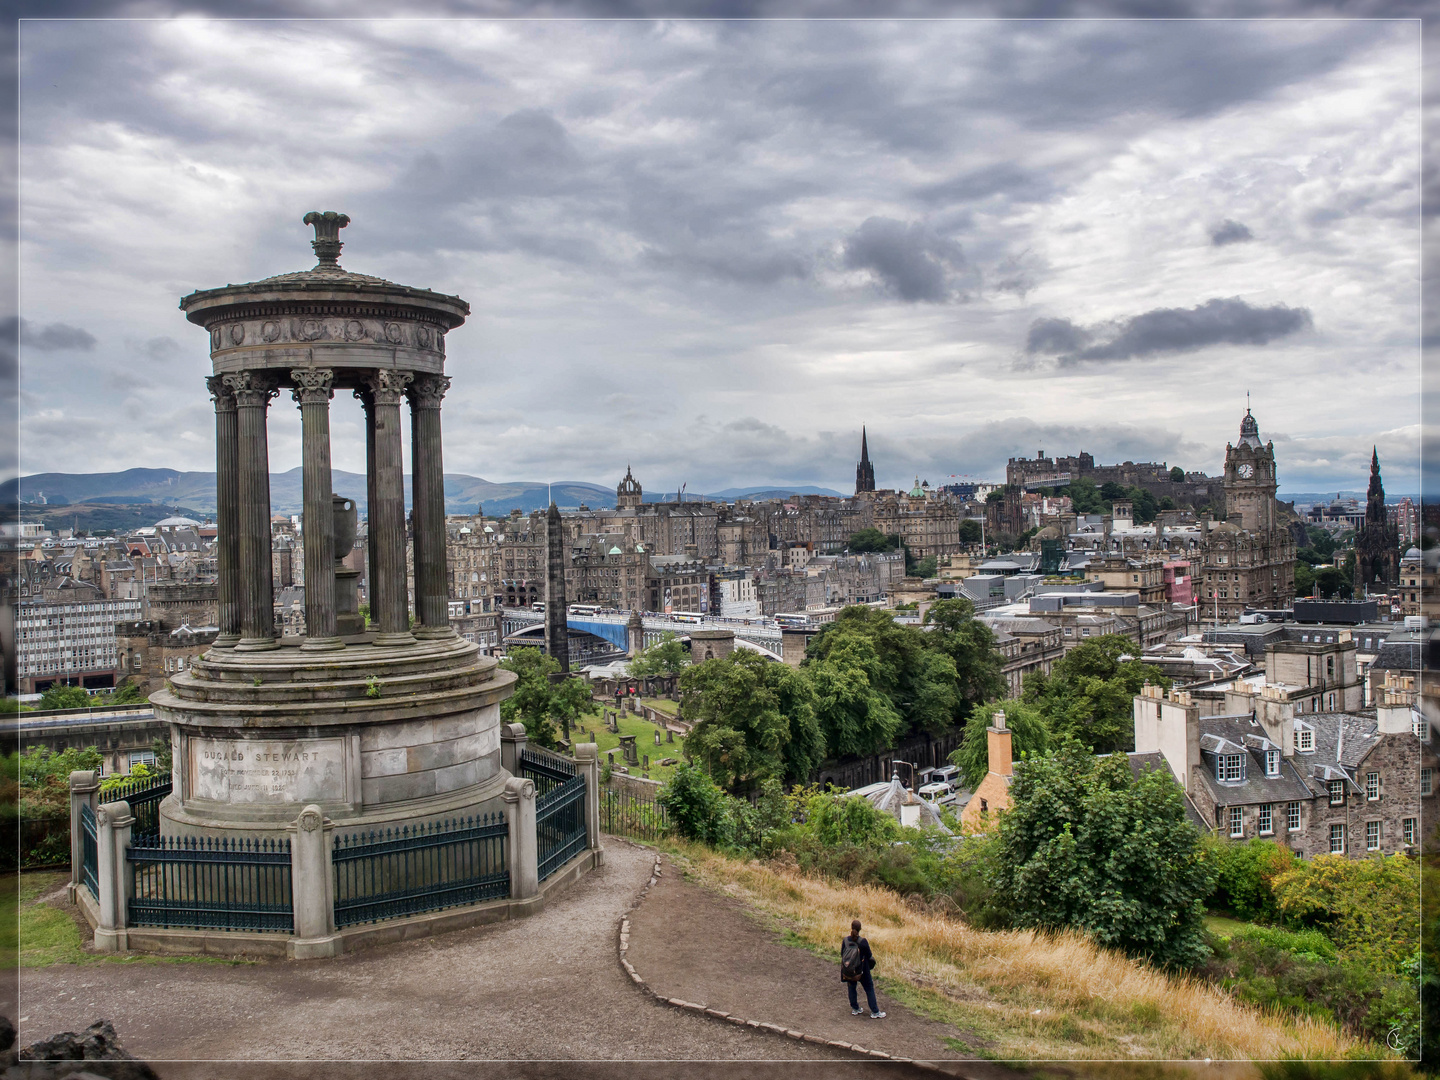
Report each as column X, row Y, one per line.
column 408, row 871
column 547, row 770
column 623, row 813
column 90, row 851
column 206, row 883
column 560, row 824
column 144, row 795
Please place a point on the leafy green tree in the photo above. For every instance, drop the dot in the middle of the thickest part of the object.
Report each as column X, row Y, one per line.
column 837, row 819
column 925, row 567
column 754, row 720
column 1089, row 693
column 872, row 540
column 970, row 532
column 1369, row 907
column 1177, row 474
column 1321, row 542
column 1245, row 875
column 1143, row 504
column 1085, row 497
column 697, row 806
column 1304, row 579
column 995, row 495
column 127, row 693
column 39, row 765
column 60, row 696
column 970, row 645
column 1030, row 737
column 539, row 703
column 1334, row 583
column 666, row 657
column 1088, row 845
column 1110, row 491
column 855, row 715
column 1165, row 503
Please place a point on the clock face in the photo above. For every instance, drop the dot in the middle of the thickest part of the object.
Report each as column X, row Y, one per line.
column 1245, row 471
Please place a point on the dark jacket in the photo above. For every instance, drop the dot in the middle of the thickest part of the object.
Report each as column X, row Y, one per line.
column 867, row 958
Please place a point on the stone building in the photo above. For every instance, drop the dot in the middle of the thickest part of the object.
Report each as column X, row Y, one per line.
column 66, row 634
column 149, row 653
column 1196, row 489
column 1247, row 560
column 1325, row 783
column 1377, row 541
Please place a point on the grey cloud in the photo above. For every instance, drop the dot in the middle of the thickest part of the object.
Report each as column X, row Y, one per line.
column 1230, row 232
column 911, row 261
column 55, row 337
column 1166, row 330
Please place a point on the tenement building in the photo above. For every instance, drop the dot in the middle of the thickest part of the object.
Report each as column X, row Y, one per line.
column 1248, row 560
column 1342, row 783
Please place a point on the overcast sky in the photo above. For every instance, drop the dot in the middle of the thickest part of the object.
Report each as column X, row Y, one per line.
column 713, row 250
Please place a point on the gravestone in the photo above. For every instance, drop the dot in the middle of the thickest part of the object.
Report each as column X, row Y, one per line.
column 627, row 747
column 647, row 761
column 657, row 738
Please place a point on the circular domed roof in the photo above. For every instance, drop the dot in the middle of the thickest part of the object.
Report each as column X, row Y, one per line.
column 1413, row 553
column 174, row 521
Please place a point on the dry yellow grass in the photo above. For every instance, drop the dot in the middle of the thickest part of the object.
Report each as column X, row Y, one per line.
column 1029, row 995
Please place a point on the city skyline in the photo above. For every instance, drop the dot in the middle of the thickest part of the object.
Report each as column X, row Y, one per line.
column 715, row 250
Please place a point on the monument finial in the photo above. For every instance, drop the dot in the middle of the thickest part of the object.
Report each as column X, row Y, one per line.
column 327, row 243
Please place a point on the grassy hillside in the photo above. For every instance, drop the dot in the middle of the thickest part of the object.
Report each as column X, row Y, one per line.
column 1024, row 995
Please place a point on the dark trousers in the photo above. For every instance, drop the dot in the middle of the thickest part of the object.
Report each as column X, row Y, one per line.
column 869, row 985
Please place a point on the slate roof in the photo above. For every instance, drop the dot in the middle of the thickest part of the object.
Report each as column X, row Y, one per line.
column 1237, row 734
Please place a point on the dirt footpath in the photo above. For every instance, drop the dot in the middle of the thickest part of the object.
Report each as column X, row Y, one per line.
column 692, row 943
column 544, row 989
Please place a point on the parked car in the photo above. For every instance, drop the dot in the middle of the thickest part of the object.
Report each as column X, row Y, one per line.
column 936, row 790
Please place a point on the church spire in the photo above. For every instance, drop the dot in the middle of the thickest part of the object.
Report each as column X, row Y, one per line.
column 864, row 471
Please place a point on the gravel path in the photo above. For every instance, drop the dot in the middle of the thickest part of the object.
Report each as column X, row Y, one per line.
column 548, row 987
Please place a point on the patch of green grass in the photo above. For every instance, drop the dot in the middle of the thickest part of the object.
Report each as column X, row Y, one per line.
column 1224, row 926
column 644, row 732
column 44, row 935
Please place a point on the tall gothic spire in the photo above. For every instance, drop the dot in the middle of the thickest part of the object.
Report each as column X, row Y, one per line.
column 864, row 471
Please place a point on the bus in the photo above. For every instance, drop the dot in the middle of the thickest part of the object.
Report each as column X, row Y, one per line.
column 686, row 616
column 584, row 609
column 792, row 619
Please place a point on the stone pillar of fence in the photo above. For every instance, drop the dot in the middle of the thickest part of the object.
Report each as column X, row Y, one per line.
column 312, row 886
column 524, row 857
column 587, row 757
column 112, row 840
column 512, row 742
column 84, row 791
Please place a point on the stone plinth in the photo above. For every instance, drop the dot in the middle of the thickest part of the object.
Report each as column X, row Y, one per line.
column 375, row 736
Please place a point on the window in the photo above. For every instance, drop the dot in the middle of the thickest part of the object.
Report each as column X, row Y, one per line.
column 1272, row 762
column 1418, row 725
column 1372, row 836
column 1237, row 821
column 1337, row 792
column 1426, row 777
column 1292, row 817
column 1337, row 839
column 1372, row 787
column 1306, row 739
column 1408, row 827
column 1330, row 667
column 1228, row 768
column 1266, row 823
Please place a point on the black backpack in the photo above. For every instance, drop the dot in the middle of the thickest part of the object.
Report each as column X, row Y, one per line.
column 852, row 964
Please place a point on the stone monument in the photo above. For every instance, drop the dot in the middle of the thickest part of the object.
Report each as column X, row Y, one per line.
column 391, row 725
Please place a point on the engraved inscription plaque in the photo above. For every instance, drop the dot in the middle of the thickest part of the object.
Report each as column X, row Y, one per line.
column 267, row 770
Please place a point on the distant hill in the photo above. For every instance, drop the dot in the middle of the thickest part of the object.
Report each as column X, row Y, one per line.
column 106, row 516
column 167, row 489
column 761, row 494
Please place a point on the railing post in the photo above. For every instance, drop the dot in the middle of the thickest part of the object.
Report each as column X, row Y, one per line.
column 84, row 784
column 312, row 885
column 512, row 745
column 519, row 798
column 587, row 756
column 112, row 840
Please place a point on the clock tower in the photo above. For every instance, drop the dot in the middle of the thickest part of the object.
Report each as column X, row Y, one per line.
column 1250, row 479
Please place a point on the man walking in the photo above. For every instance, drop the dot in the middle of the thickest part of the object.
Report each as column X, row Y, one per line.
column 856, row 962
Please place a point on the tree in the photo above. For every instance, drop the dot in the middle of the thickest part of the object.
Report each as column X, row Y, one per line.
column 754, row 720
column 539, row 703
column 1089, row 693
column 1304, row 579
column 1085, row 497
column 1030, row 736
column 127, row 693
column 1165, row 503
column 666, row 657
column 696, row 806
column 872, row 540
column 970, row 531
column 1369, row 907
column 925, row 567
column 1110, row 491
column 1177, row 474
column 60, row 696
column 1142, row 503
column 995, row 495
column 970, row 645
column 1087, row 845
column 855, row 715
column 1334, row 583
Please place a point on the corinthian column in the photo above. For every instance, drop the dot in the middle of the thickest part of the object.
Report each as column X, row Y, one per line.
column 227, row 509
column 428, row 471
column 253, row 391
column 312, row 393
column 388, row 595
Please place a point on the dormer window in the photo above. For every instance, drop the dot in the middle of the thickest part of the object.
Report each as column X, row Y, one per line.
column 1305, row 739
column 1337, row 792
column 1228, row 768
column 1272, row 762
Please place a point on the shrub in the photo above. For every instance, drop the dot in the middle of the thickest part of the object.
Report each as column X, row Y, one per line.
column 1245, row 875
column 1308, row 945
column 64, row 697
column 849, row 819
column 697, row 807
column 1369, row 907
